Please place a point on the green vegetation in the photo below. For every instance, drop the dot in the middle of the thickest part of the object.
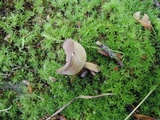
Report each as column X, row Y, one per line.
column 31, row 35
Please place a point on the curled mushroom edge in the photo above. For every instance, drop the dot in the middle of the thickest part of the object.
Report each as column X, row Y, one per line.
column 75, row 58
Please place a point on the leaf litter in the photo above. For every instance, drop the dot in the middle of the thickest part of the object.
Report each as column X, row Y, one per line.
column 137, row 115
column 144, row 21
column 106, row 51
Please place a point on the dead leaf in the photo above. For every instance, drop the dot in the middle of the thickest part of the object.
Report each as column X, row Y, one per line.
column 119, row 55
column 137, row 16
column 143, row 117
column 92, row 67
column 52, row 79
column 19, row 104
column 78, row 24
column 144, row 57
column 46, row 116
column 7, row 37
column 106, row 51
column 107, row 55
column 28, row 85
column 48, row 17
column 116, row 68
column 138, row 116
column 145, row 22
column 103, row 53
column 75, row 58
column 61, row 117
column 26, row 82
column 56, row 117
column 30, row 89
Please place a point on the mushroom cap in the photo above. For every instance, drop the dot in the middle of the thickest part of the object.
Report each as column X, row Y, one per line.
column 75, row 58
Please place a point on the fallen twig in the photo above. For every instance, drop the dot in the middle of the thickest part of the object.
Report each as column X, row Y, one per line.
column 81, row 97
column 5, row 110
column 110, row 52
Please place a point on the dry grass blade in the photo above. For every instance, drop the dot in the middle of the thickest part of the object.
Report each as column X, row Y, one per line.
column 141, row 102
column 62, row 108
column 5, row 110
column 79, row 97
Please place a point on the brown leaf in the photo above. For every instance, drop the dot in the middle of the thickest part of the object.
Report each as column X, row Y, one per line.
column 145, row 22
column 143, row 117
column 19, row 104
column 7, row 37
column 116, row 68
column 78, row 24
column 106, row 51
column 103, row 53
column 56, row 117
column 61, row 117
column 119, row 55
column 52, row 79
column 26, row 82
column 48, row 17
column 137, row 16
column 28, row 85
column 30, row 89
column 75, row 58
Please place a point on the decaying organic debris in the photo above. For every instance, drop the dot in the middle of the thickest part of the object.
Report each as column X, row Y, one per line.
column 106, row 51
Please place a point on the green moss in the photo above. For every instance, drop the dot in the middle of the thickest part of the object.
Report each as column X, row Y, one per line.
column 33, row 52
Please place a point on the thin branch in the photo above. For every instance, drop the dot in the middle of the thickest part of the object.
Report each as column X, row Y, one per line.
column 79, row 97
column 110, row 52
column 5, row 110
column 61, row 109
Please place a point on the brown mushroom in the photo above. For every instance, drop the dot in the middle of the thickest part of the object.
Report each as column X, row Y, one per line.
column 75, row 58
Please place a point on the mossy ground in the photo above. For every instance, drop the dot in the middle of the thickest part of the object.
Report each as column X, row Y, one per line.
column 32, row 51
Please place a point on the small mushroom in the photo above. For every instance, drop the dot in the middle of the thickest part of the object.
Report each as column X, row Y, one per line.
column 75, row 58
